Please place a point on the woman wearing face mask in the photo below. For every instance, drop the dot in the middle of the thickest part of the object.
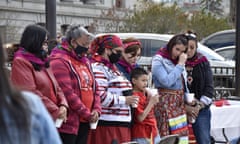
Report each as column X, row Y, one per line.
column 115, row 92
column 74, row 75
column 200, row 82
column 31, row 72
column 169, row 77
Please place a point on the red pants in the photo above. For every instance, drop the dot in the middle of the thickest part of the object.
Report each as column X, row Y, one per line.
column 106, row 134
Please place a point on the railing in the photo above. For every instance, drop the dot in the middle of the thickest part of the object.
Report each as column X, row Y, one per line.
column 224, row 81
column 223, row 78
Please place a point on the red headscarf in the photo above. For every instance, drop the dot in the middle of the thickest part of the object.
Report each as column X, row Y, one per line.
column 105, row 41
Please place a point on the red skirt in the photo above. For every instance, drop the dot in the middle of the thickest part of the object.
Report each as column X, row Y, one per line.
column 170, row 105
column 191, row 136
column 106, row 134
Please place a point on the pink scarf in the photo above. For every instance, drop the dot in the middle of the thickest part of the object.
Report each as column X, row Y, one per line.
column 65, row 48
column 100, row 59
column 126, row 65
column 21, row 52
column 196, row 59
column 164, row 53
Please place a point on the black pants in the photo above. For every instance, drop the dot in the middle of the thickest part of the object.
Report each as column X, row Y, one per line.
column 82, row 133
column 81, row 138
column 68, row 138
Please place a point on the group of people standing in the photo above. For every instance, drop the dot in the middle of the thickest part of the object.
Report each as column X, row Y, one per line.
column 177, row 70
column 85, row 81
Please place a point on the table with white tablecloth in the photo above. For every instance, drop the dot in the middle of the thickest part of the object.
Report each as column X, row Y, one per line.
column 227, row 118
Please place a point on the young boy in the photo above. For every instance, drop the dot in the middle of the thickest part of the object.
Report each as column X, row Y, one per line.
column 144, row 130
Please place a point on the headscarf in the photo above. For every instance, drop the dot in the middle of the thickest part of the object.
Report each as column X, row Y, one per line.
column 105, row 41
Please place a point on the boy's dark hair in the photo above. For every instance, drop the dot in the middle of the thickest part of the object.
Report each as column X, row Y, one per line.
column 137, row 72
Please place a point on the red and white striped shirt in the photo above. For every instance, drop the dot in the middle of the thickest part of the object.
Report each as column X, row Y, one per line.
column 111, row 84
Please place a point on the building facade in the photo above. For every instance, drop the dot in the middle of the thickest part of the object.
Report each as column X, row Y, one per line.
column 15, row 15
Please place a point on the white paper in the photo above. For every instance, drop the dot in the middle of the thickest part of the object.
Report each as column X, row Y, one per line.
column 58, row 123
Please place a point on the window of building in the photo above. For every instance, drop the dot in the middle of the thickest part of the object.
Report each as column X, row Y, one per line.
column 120, row 3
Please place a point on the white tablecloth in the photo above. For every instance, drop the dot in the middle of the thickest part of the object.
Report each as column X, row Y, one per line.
column 228, row 117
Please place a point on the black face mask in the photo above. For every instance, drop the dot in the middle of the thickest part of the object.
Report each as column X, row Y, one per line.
column 80, row 50
column 113, row 58
column 43, row 54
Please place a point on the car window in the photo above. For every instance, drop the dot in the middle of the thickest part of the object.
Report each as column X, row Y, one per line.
column 210, row 54
column 227, row 53
column 156, row 45
column 150, row 47
column 144, row 47
column 221, row 40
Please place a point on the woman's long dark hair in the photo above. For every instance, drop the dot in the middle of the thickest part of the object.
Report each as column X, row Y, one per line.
column 33, row 38
column 14, row 110
column 32, row 41
column 177, row 39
